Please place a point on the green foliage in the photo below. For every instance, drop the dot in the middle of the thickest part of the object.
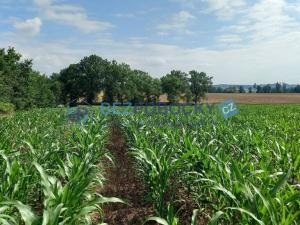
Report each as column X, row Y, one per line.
column 26, row 88
column 40, row 91
column 178, row 84
column 239, row 171
column 245, row 170
column 175, row 85
column 50, row 171
column 84, row 79
column 6, row 108
column 147, row 88
column 200, row 84
column 118, row 82
column 22, row 86
column 242, row 89
column 297, row 89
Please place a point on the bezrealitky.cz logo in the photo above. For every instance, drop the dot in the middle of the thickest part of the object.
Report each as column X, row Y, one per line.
column 153, row 109
column 227, row 108
column 80, row 114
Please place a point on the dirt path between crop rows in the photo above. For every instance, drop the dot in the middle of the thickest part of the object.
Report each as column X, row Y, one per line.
column 122, row 183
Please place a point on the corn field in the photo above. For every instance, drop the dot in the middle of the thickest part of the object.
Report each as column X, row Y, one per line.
column 50, row 169
column 196, row 169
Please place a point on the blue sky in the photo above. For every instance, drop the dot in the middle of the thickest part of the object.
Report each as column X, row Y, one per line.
column 235, row 41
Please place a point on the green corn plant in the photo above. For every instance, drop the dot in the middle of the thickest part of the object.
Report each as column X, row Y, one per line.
column 244, row 170
column 12, row 179
column 71, row 203
column 171, row 219
column 61, row 187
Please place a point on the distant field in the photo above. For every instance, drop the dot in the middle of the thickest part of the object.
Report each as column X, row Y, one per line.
column 272, row 98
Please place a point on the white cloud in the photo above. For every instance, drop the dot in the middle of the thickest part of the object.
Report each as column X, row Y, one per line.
column 297, row 7
column 179, row 23
column 266, row 62
column 29, row 27
column 265, row 20
column 262, row 45
column 229, row 39
column 70, row 15
column 125, row 15
column 276, row 60
column 225, row 9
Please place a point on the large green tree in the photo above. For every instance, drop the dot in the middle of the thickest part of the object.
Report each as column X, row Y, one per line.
column 92, row 71
column 117, row 83
column 200, row 84
column 40, row 92
column 175, row 85
column 84, row 79
column 297, row 89
column 242, row 89
column 14, row 77
column 71, row 82
column 267, row 88
column 148, row 89
column 156, row 89
column 124, row 84
column 278, row 88
column 20, row 84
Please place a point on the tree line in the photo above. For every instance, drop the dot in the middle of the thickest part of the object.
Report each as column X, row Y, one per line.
column 25, row 88
column 277, row 88
column 118, row 82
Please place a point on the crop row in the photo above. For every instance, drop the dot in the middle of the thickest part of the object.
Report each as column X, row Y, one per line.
column 245, row 170
column 50, row 171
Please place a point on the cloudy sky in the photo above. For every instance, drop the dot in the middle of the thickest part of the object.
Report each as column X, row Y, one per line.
column 235, row 41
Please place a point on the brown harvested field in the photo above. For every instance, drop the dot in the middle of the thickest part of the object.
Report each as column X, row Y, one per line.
column 253, row 98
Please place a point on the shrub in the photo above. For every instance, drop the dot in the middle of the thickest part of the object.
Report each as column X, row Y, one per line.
column 6, row 108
